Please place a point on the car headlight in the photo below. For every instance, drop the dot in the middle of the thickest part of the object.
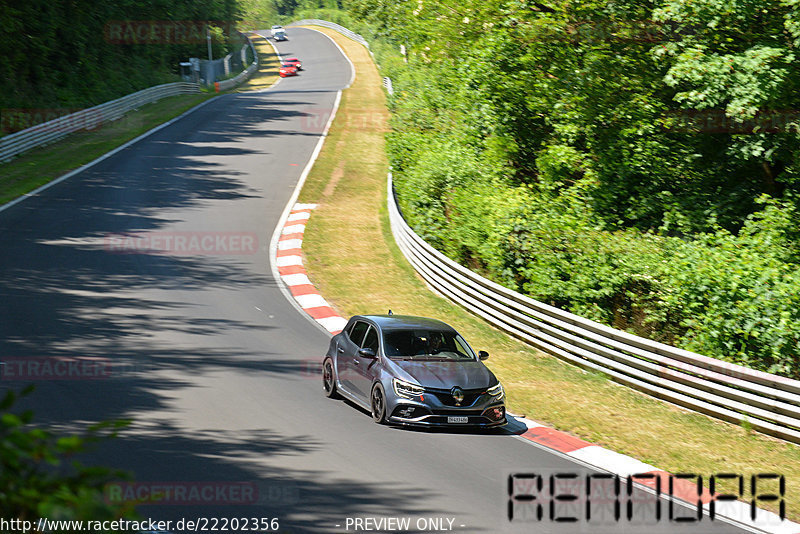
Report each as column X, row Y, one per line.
column 407, row 389
column 496, row 391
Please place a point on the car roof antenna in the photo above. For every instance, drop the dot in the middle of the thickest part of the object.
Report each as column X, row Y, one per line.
column 390, row 312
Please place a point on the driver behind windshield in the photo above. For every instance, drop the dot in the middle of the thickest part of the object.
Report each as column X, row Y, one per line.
column 436, row 343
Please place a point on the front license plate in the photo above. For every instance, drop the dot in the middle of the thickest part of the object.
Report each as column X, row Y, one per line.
column 457, row 419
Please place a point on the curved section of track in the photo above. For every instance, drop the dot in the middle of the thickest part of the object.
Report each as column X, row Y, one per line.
column 153, row 265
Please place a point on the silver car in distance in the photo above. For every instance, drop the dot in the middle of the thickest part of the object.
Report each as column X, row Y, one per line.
column 412, row 371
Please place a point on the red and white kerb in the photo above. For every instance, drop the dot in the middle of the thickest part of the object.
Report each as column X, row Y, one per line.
column 289, row 261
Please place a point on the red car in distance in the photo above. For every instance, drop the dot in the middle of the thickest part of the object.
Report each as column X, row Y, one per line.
column 294, row 62
column 287, row 70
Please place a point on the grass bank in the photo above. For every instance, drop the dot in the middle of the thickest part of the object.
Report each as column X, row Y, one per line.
column 42, row 165
column 352, row 259
column 268, row 64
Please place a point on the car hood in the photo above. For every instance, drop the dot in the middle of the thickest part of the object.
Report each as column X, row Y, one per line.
column 445, row 375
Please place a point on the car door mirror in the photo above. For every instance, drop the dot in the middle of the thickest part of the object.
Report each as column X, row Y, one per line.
column 367, row 353
column 482, row 354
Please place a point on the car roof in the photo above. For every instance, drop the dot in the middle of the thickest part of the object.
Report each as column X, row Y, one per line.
column 391, row 322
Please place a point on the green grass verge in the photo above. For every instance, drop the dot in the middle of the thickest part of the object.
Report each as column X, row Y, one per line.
column 44, row 164
column 267, row 73
column 354, row 262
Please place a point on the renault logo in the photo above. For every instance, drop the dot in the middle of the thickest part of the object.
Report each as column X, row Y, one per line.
column 458, row 395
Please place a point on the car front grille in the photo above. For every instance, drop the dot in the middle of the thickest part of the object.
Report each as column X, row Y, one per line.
column 471, row 396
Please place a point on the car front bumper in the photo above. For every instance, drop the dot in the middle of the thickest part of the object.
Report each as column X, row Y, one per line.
column 416, row 414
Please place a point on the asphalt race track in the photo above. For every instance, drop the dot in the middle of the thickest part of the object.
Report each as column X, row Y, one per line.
column 200, row 348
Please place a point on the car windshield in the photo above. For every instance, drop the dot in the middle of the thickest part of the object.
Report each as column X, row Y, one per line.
column 421, row 344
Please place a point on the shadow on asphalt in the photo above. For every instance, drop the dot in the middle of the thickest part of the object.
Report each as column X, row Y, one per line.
column 64, row 293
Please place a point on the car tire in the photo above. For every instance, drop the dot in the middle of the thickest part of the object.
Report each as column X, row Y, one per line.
column 329, row 379
column 378, row 404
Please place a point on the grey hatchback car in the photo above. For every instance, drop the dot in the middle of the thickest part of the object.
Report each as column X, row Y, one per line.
column 412, row 371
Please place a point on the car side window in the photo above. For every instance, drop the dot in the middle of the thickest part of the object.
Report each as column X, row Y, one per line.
column 371, row 340
column 356, row 334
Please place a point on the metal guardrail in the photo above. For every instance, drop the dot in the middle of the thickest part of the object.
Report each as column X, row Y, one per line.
column 91, row 118
column 220, row 69
column 87, row 119
column 245, row 74
column 734, row 393
column 239, row 78
column 332, row 25
column 768, row 403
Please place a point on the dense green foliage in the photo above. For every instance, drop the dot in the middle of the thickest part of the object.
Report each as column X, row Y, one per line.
column 60, row 55
column 36, row 479
column 633, row 162
column 64, row 54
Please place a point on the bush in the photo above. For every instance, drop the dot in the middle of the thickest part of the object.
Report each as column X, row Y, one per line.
column 36, row 479
column 741, row 293
column 564, row 169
